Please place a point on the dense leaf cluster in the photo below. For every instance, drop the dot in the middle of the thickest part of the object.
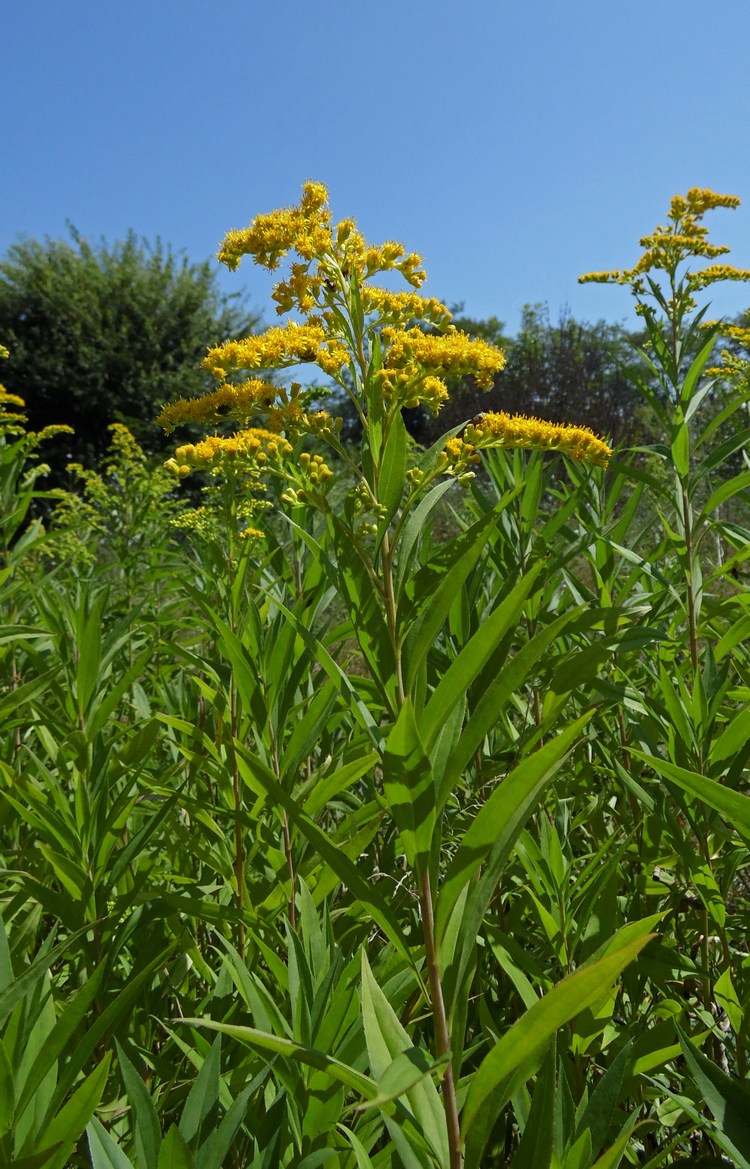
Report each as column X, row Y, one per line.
column 99, row 333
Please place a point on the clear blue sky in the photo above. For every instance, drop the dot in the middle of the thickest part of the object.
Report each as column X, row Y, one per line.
column 513, row 144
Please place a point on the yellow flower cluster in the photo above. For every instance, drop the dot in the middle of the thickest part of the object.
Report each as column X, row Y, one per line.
column 249, row 448
column 734, row 367
column 715, row 272
column 288, row 344
column 684, row 238
column 8, row 399
column 516, row 430
column 305, row 228
column 352, row 253
column 300, row 291
column 11, row 421
column 396, row 308
column 415, row 358
column 238, row 402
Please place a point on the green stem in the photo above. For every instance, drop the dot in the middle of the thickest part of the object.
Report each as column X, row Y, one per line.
column 442, row 1032
column 437, row 1001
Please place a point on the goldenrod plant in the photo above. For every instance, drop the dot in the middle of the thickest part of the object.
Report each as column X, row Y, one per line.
column 377, row 807
column 387, row 351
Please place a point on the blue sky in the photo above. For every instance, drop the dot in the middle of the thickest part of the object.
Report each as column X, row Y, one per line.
column 514, row 145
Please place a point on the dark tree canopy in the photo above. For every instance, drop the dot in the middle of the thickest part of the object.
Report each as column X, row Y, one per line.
column 567, row 372
column 101, row 333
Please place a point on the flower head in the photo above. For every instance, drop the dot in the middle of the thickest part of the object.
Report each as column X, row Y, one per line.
column 498, row 429
column 682, row 240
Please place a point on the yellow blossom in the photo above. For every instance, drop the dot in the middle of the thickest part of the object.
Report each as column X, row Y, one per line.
column 252, row 447
column 453, row 353
column 270, row 236
column 238, row 402
column 516, row 430
column 714, row 273
column 286, row 345
column 396, row 308
column 684, row 238
column 8, row 399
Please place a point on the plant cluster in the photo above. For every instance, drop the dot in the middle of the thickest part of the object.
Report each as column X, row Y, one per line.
column 385, row 810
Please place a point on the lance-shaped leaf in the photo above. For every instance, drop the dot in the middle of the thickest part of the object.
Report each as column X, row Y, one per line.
column 520, row 1051
column 484, row 717
column 104, row 1151
column 734, row 807
column 386, row 1041
column 473, row 657
column 67, row 1126
column 409, row 787
column 360, row 594
column 392, row 478
column 435, row 587
column 276, row 1045
column 727, row 1098
column 346, row 870
column 494, row 830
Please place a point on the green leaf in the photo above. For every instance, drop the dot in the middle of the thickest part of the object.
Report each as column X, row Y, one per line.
column 499, row 690
column 404, row 1072
column 345, row 870
column 35, row 1160
column 105, row 1153
column 89, row 652
column 360, row 1152
column 727, row 1098
column 386, row 1040
column 473, row 657
column 734, row 807
column 726, row 996
column 495, row 828
column 344, row 686
column 435, row 587
column 722, row 495
column 612, row 1157
column 264, row 1041
column 522, row 1048
column 20, row 986
column 392, row 479
column 339, row 780
column 7, row 1092
column 681, row 447
column 145, row 1117
column 106, row 705
column 409, row 787
column 414, row 527
column 690, row 381
column 732, row 739
column 103, row 1024
column 71, row 1120
column 213, row 1153
column 364, row 605
column 56, row 1043
column 600, row 1111
column 174, row 1152
column 537, row 1141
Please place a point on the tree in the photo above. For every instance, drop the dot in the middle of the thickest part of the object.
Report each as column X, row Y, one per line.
column 101, row 333
column 568, row 372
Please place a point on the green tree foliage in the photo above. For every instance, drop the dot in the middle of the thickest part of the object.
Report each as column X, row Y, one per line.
column 101, row 333
column 570, row 371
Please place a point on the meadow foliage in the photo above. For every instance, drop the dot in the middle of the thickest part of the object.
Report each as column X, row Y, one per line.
column 377, row 806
